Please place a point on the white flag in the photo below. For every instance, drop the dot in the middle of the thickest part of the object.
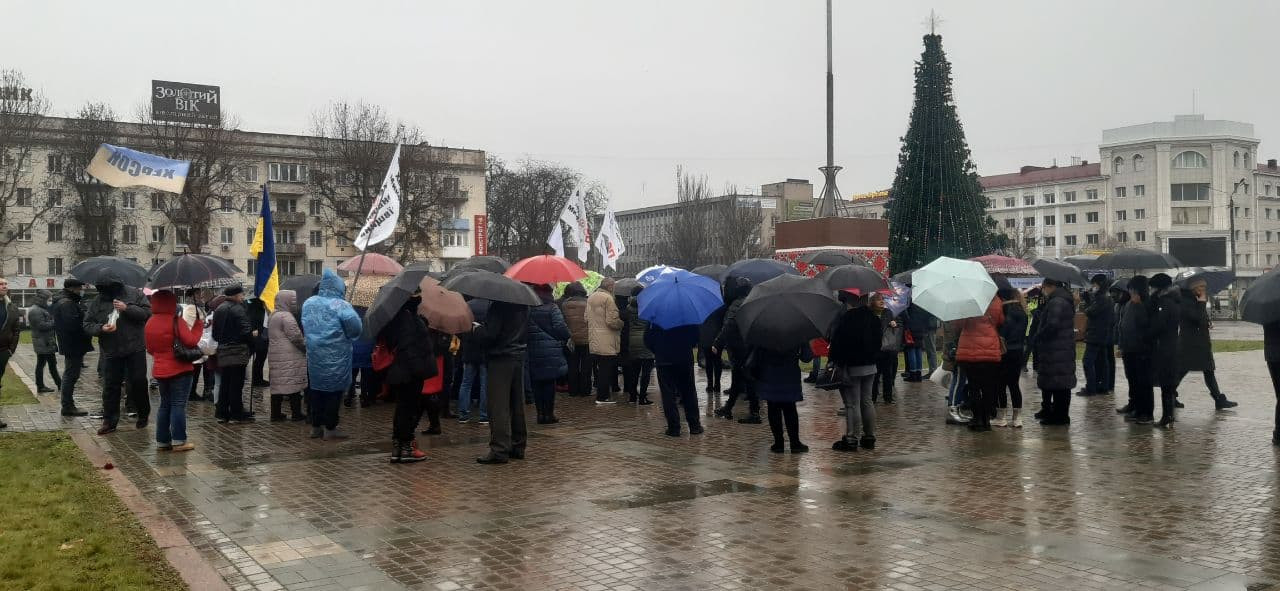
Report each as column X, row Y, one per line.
column 609, row 241
column 556, row 239
column 575, row 215
column 385, row 211
column 122, row 167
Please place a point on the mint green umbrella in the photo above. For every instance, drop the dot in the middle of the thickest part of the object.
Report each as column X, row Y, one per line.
column 590, row 282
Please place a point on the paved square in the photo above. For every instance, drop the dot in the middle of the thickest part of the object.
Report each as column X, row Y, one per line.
column 605, row 501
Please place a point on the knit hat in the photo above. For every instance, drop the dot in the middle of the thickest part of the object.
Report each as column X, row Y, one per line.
column 1160, row 281
column 233, row 290
column 1098, row 279
column 72, row 282
column 1138, row 284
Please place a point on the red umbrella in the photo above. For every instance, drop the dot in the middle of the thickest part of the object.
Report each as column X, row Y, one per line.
column 374, row 264
column 545, row 269
column 1002, row 265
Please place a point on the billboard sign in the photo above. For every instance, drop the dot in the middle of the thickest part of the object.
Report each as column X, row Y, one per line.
column 180, row 102
column 481, row 235
column 1200, row 252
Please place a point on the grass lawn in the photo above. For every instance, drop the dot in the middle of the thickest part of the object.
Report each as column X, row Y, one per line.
column 63, row 528
column 13, row 391
column 24, row 337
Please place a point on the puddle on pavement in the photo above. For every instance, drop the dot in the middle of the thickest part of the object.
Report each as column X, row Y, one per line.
column 676, row 492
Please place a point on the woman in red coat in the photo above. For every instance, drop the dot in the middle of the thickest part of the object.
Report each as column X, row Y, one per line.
column 979, row 353
column 173, row 374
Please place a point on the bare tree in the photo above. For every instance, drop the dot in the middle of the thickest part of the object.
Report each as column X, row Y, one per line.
column 1021, row 242
column 525, row 201
column 23, row 125
column 737, row 227
column 686, row 240
column 91, row 210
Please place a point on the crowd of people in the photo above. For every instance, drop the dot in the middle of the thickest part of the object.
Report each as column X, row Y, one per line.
column 316, row 357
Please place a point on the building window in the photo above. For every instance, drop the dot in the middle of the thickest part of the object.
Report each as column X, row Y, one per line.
column 1050, row 241
column 288, row 173
column 1247, row 213
column 55, row 266
column 1069, row 218
column 1189, row 192
column 225, row 205
column 1069, row 196
column 55, row 164
column 315, row 267
column 991, row 204
column 1009, row 201
column 1268, row 235
column 1122, row 237
column 1268, row 260
column 342, row 242
column 253, row 205
column 285, row 236
column 287, row 205
column 1268, row 213
column 1091, row 239
column 1139, row 214
column 1028, row 199
column 1029, row 242
column 1248, row 260
column 157, row 202
column 450, row 238
column 55, row 198
column 1050, row 220
column 1139, row 190
column 1091, row 217
column 250, row 232
column 1190, row 159
column 1247, row 161
column 226, row 235
column 1235, row 159
column 181, row 236
column 24, row 198
column 1069, row 240
column 129, row 200
column 24, row 232
column 249, row 173
column 157, row 233
column 1050, row 198
column 1139, row 164
column 287, row 268
column 1091, row 194
column 1247, row 233
column 1029, row 222
column 1121, row 215
column 1140, row 236
column 1120, row 192
column 1267, row 190
column 24, row 266
column 129, row 234
column 1010, row 223
column 55, row 233
column 1184, row 216
column 314, row 206
column 251, row 267
column 316, row 238
column 1117, row 165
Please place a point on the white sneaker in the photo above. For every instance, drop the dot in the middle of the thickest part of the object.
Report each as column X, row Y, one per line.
column 999, row 421
column 1016, row 421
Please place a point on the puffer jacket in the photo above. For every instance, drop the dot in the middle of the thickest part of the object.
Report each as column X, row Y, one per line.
column 234, row 333
column 980, row 336
column 1056, row 343
column 44, row 338
column 330, row 325
column 407, row 336
column 1014, row 329
column 68, row 320
column 287, row 348
column 128, row 337
column 574, row 309
column 636, row 328
column 604, row 324
column 545, row 338
column 159, row 336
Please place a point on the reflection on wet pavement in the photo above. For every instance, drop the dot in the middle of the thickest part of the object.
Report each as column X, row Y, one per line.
column 605, row 501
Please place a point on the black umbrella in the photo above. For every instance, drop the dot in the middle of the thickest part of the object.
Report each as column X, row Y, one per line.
column 304, row 285
column 1120, row 284
column 493, row 286
column 391, row 297
column 193, row 270
column 1261, row 301
column 864, row 279
column 1002, row 282
column 457, row 270
column 1216, row 278
column 625, row 286
column 1136, row 258
column 486, row 263
column 903, row 277
column 834, row 258
column 1084, row 261
column 759, row 270
column 1059, row 271
column 786, row 312
column 90, row 270
column 716, row 272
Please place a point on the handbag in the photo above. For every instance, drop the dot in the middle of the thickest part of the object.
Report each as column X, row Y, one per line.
column 827, row 380
column 182, row 352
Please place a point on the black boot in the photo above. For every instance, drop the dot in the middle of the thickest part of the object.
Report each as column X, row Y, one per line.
column 295, row 408
column 644, row 400
column 276, row 401
column 1220, row 402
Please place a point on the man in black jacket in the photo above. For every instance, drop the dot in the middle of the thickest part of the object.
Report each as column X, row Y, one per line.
column 502, row 336
column 1099, row 355
column 232, row 331
column 257, row 310
column 73, row 342
column 730, row 338
column 118, row 317
column 1165, row 308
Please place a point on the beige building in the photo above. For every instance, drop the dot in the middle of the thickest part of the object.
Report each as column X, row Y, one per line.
column 42, row 253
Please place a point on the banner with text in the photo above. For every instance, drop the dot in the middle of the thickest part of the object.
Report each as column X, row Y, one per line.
column 122, row 167
column 385, row 212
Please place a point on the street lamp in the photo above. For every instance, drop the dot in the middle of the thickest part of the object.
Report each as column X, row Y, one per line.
column 1231, row 216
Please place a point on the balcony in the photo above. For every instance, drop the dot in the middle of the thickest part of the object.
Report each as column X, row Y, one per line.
column 285, row 249
column 93, row 248
column 456, row 224
column 455, row 195
column 289, row 218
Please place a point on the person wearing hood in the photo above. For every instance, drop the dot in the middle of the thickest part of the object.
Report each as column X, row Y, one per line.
column 546, row 335
column 331, row 326
column 1165, row 308
column 639, row 357
column 1133, row 336
column 44, row 339
column 166, row 334
column 604, row 326
column 1195, row 348
column 68, row 322
column 730, row 338
column 117, row 316
column 234, row 333
column 1056, row 352
column 1119, row 297
column 287, row 354
column 413, row 362
column 1099, row 353
column 574, row 310
column 503, row 339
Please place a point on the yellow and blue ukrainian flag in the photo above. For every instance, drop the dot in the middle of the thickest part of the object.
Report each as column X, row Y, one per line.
column 266, row 278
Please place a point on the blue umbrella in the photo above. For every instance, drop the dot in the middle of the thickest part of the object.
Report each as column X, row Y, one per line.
column 648, row 276
column 758, row 270
column 679, row 298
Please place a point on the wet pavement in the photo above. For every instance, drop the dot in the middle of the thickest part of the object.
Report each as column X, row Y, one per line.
column 605, row 501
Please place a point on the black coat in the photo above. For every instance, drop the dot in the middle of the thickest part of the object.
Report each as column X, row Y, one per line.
column 1056, row 343
column 710, row 328
column 1166, row 311
column 1134, row 335
column 1100, row 317
column 1014, row 328
column 919, row 322
column 1195, row 351
column 672, row 346
column 407, row 336
column 730, row 337
column 502, row 336
column 128, row 337
column 471, row 350
column 856, row 339
column 68, row 323
column 1271, row 342
column 234, row 334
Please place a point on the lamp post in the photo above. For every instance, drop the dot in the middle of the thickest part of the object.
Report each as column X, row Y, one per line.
column 829, row 202
column 1231, row 215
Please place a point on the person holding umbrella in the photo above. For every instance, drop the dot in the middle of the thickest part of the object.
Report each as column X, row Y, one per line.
column 166, row 335
column 1134, row 338
column 778, row 382
column 413, row 362
column 712, row 364
column 503, row 337
column 639, row 357
column 1056, row 351
column 1099, row 356
column 287, row 353
column 546, row 335
column 1165, row 308
column 117, row 317
column 855, row 347
column 331, row 326
column 673, row 355
column 1195, row 349
column 979, row 352
column 730, row 338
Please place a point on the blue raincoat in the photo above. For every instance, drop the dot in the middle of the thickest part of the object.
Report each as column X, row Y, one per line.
column 331, row 325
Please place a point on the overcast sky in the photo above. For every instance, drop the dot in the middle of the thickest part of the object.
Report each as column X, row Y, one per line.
column 625, row 91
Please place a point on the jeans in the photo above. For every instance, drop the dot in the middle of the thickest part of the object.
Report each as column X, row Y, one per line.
column 579, row 370
column 1011, row 374
column 914, row 359
column 116, row 370
column 51, row 360
column 230, row 404
column 408, row 409
column 606, row 375
column 713, row 365
column 507, row 430
column 1137, row 371
column 471, row 373
column 324, row 406
column 69, row 379
column 1096, row 367
column 171, row 418
column 677, row 387
column 859, row 410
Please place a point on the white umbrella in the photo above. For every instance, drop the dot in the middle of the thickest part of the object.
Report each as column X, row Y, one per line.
column 952, row 289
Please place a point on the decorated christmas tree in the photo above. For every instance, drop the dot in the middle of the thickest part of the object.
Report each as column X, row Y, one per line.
column 936, row 207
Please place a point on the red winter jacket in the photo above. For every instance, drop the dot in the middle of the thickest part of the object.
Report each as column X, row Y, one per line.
column 979, row 337
column 159, row 336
